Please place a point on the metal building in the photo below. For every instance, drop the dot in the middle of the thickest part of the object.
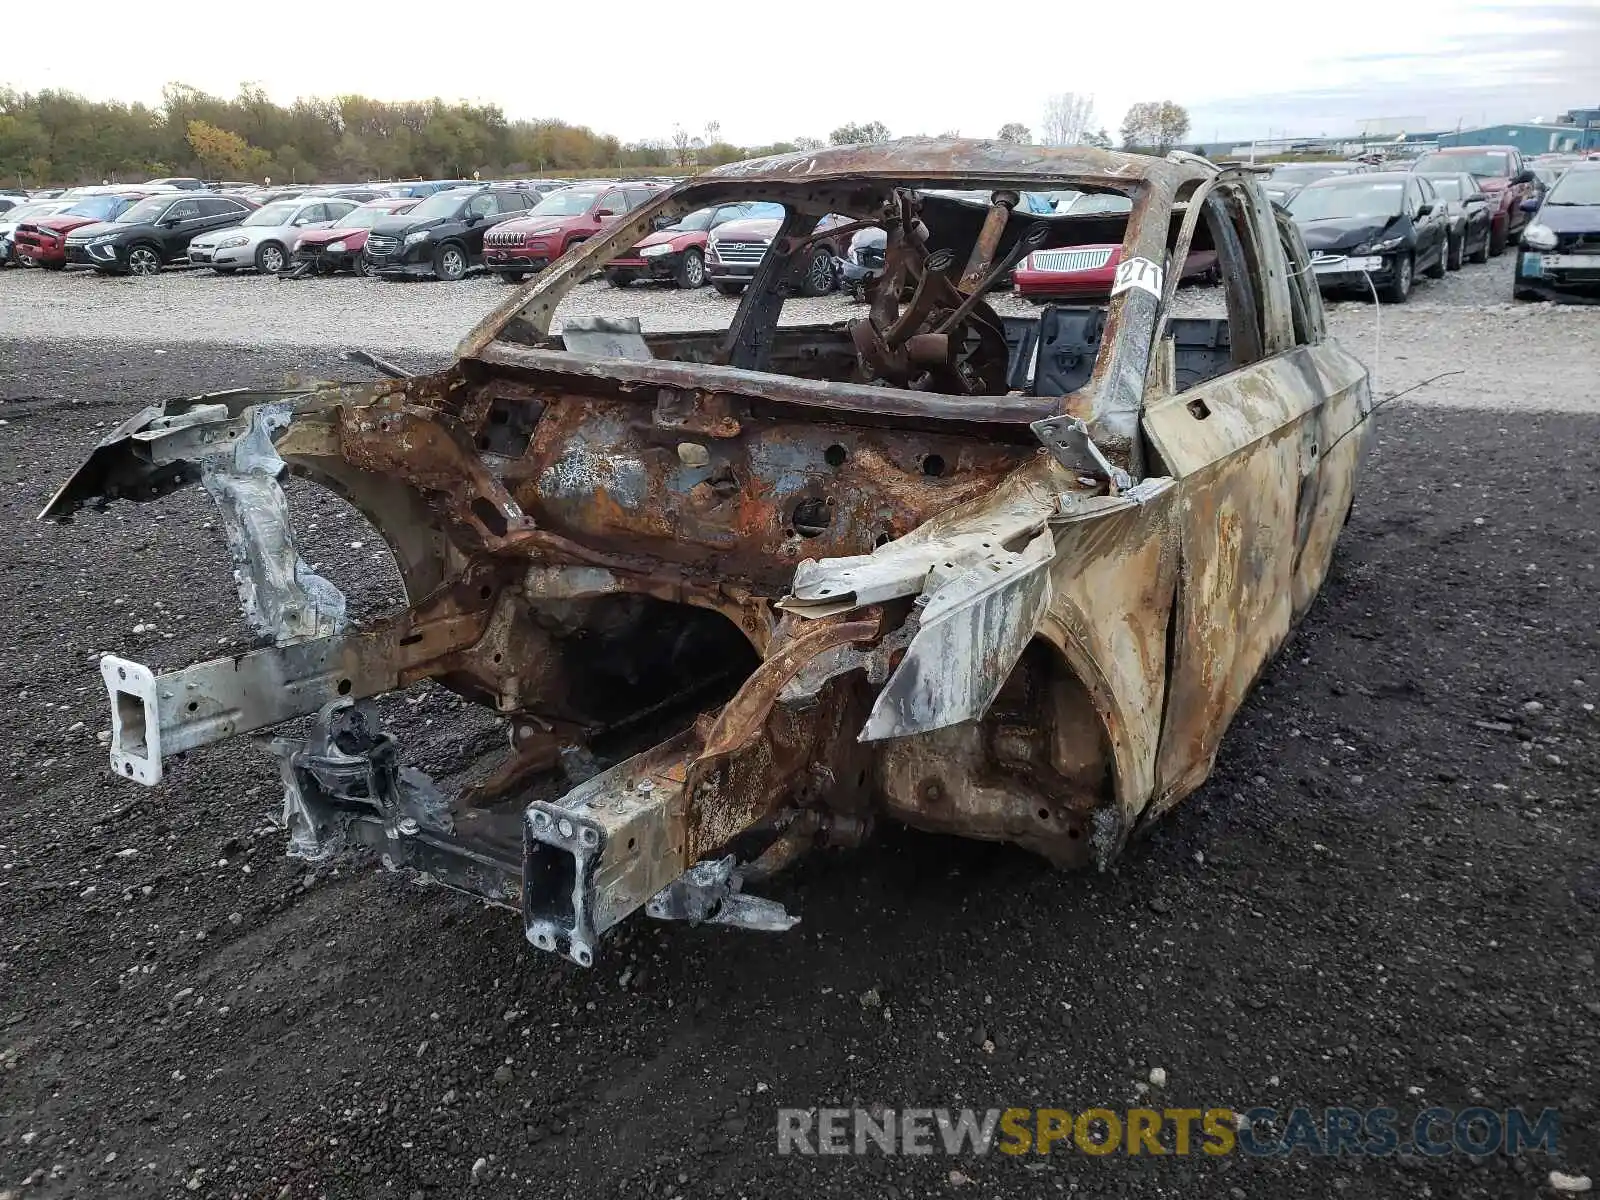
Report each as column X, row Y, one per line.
column 1532, row 138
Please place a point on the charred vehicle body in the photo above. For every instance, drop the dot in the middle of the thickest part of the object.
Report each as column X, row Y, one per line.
column 739, row 593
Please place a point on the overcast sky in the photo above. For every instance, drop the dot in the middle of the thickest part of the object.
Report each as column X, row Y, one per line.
column 1242, row 69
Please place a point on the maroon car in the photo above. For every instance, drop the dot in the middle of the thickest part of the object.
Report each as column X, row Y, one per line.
column 517, row 248
column 325, row 251
column 1089, row 271
column 735, row 250
column 43, row 243
column 1502, row 176
column 678, row 252
column 1076, row 272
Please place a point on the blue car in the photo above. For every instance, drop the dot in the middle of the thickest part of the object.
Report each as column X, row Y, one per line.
column 427, row 187
column 1560, row 255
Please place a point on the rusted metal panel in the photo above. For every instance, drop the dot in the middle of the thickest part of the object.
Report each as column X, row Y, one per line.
column 1213, row 421
column 1255, row 486
column 841, row 399
column 1109, row 618
column 1327, row 495
column 1237, row 537
column 755, row 504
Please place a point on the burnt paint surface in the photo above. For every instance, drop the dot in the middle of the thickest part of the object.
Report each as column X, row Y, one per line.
column 1262, row 500
column 758, row 503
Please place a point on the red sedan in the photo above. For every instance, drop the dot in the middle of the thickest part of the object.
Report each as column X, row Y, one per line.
column 1071, row 272
column 338, row 248
column 43, row 243
column 1076, row 272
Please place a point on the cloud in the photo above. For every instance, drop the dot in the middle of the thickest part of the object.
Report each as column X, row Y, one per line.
column 1242, row 70
column 1489, row 65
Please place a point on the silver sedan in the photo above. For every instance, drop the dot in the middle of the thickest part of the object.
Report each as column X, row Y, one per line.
column 266, row 237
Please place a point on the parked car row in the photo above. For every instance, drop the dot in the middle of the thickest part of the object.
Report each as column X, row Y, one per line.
column 1378, row 230
column 677, row 253
column 430, row 228
column 558, row 222
column 265, row 238
column 337, row 247
column 15, row 217
column 41, row 217
column 153, row 233
column 1503, row 178
column 1366, row 229
column 1285, row 179
column 39, row 239
column 1383, row 229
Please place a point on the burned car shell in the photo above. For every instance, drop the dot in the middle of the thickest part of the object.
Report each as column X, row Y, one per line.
column 774, row 583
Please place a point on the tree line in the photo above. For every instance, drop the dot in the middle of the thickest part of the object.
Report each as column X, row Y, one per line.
column 1069, row 120
column 56, row 137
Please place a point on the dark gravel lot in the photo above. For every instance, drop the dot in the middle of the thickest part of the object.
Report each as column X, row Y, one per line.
column 1389, row 893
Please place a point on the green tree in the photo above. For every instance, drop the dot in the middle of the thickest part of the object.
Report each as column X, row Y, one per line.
column 56, row 137
column 1155, row 125
column 718, row 153
column 24, row 144
column 856, row 134
column 1015, row 131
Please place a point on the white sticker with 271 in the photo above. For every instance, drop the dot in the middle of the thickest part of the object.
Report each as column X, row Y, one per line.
column 1138, row 273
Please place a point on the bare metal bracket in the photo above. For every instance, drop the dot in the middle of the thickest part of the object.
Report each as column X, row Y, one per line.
column 606, row 337
column 227, row 445
column 1076, row 506
column 975, row 621
column 344, row 787
column 710, row 893
column 1068, row 441
column 903, row 568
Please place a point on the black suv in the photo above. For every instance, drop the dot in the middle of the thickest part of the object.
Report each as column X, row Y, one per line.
column 443, row 235
column 152, row 233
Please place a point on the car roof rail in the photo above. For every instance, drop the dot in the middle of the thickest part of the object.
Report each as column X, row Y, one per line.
column 1195, row 160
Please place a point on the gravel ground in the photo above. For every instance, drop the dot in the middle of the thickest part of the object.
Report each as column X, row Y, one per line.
column 1388, row 893
column 1426, row 337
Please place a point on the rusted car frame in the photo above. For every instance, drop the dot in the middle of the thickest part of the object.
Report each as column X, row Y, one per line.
column 739, row 593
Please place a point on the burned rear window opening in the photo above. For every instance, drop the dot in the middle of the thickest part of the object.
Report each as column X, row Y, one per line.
column 930, row 327
column 737, row 595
